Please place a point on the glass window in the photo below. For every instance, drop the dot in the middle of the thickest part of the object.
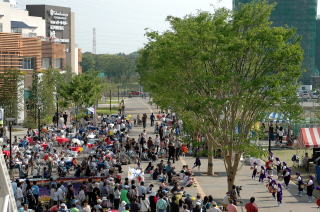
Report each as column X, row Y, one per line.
column 16, row 30
column 46, row 63
column 58, row 63
column 28, row 63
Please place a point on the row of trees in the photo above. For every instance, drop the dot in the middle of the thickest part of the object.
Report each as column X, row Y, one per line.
column 120, row 68
column 222, row 72
column 50, row 86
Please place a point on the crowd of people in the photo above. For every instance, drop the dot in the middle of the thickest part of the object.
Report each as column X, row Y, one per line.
column 94, row 152
column 276, row 182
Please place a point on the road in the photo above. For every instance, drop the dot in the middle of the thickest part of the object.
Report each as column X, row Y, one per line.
column 217, row 185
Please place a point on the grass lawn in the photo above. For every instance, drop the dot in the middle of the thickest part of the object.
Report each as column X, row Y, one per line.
column 106, row 111
column 286, row 155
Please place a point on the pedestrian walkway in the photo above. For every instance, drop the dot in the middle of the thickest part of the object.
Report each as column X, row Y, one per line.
column 217, row 185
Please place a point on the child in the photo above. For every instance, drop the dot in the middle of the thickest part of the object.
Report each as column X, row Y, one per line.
column 197, row 163
column 262, row 174
column 254, row 172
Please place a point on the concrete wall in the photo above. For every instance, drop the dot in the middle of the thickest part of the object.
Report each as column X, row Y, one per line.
column 15, row 14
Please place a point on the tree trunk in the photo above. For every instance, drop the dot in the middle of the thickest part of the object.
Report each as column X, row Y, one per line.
column 232, row 169
column 210, row 159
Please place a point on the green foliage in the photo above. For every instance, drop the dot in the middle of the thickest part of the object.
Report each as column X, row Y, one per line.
column 223, row 71
column 43, row 91
column 82, row 91
column 120, row 68
column 11, row 86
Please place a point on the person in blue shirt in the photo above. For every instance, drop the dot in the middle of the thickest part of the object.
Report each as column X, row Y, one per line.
column 35, row 191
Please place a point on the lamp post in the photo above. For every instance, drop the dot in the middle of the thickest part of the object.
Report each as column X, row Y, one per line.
column 57, row 104
column 10, row 121
column 110, row 101
column 118, row 93
column 38, row 107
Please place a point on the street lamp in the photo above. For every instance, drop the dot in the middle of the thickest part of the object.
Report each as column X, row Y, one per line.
column 57, row 104
column 10, row 121
column 38, row 107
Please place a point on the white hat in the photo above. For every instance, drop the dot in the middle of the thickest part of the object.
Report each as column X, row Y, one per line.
column 63, row 205
column 104, row 198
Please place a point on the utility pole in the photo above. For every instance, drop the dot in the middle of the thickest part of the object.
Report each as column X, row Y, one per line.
column 94, row 42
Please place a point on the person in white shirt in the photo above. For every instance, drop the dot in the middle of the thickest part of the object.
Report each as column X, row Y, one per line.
column 157, row 143
column 19, row 195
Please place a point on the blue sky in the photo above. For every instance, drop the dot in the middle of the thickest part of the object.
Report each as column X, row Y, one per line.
column 120, row 24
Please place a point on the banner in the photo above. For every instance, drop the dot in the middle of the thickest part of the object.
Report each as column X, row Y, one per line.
column 135, row 174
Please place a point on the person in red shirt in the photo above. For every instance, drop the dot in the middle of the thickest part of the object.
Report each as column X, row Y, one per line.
column 251, row 206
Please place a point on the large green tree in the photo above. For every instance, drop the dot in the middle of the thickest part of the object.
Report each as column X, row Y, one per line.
column 82, row 91
column 227, row 68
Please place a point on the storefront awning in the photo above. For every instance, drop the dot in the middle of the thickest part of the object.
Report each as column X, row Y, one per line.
column 309, row 137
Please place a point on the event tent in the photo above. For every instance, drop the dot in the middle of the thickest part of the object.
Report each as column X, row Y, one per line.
column 309, row 137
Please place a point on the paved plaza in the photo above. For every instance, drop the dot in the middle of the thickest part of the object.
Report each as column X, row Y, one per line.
column 217, row 185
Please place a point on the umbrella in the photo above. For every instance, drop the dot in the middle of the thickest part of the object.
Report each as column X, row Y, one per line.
column 62, row 140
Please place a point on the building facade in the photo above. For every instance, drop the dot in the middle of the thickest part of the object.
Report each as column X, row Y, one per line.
column 301, row 15
column 60, row 27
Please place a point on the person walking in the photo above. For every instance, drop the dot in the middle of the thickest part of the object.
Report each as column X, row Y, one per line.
column 197, row 163
column 251, row 206
column 152, row 118
column 310, row 188
column 279, row 194
column 262, row 174
column 287, row 177
column 65, row 118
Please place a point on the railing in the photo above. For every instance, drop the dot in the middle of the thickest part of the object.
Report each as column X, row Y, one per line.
column 7, row 201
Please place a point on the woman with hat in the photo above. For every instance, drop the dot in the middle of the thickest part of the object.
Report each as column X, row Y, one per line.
column 310, row 187
column 300, row 184
column 124, row 194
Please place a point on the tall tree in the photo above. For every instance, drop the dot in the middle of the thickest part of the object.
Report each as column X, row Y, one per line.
column 229, row 67
column 10, row 92
column 82, row 91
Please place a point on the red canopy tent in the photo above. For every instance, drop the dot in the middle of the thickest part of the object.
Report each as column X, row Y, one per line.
column 309, row 137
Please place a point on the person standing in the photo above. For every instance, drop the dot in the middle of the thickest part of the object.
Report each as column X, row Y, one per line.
column 279, row 194
column 310, row 187
column 287, row 177
column 172, row 152
column 254, row 172
column 152, row 118
column 65, row 118
column 144, row 120
column 232, row 207
column 35, row 191
column 300, row 184
column 251, row 206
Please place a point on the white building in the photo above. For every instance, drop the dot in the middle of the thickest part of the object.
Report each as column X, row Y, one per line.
column 14, row 20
